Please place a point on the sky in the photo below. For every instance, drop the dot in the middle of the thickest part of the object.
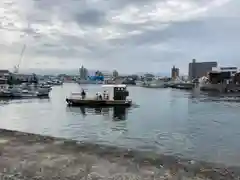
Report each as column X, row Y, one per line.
column 127, row 35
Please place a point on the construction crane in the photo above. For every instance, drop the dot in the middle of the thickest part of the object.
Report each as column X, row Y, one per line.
column 16, row 68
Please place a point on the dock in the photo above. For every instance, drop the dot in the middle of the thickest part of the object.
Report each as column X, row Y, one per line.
column 26, row 156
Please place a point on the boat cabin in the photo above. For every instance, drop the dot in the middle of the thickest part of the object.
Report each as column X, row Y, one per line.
column 120, row 91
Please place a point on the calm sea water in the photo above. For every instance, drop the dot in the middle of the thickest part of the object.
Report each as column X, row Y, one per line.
column 165, row 120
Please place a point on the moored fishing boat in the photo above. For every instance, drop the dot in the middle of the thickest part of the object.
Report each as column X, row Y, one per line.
column 139, row 83
column 156, row 83
column 23, row 92
column 184, row 85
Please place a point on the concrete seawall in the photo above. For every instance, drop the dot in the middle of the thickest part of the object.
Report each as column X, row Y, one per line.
column 29, row 156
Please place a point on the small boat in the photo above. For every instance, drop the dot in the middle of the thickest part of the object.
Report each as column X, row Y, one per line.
column 184, row 85
column 119, row 98
column 157, row 83
column 89, row 81
column 4, row 88
column 20, row 92
column 178, row 83
column 139, row 83
column 5, row 94
column 57, row 82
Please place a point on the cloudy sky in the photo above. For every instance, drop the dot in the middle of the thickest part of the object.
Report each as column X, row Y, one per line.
column 128, row 35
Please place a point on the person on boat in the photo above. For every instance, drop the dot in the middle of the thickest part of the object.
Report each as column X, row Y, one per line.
column 105, row 94
column 83, row 94
column 98, row 96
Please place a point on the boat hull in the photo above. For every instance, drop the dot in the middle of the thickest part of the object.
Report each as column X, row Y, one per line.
column 184, row 86
column 89, row 82
column 155, row 86
column 139, row 83
column 22, row 95
column 91, row 102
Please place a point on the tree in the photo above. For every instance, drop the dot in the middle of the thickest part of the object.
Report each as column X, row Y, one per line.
column 12, row 80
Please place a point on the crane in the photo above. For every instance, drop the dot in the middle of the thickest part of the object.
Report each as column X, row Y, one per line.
column 16, row 68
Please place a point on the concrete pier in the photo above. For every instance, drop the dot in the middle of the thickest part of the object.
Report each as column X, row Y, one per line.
column 25, row 156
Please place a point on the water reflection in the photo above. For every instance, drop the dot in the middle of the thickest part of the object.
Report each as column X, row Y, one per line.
column 214, row 97
column 117, row 113
column 5, row 101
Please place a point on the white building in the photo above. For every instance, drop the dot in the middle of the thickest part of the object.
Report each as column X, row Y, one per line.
column 4, row 74
column 232, row 70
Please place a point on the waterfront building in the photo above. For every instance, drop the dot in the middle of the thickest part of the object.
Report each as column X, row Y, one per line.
column 222, row 79
column 231, row 70
column 4, row 74
column 175, row 72
column 83, row 73
column 22, row 77
column 200, row 69
column 220, row 74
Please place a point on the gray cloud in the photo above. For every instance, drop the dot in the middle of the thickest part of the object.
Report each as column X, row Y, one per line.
column 194, row 31
column 91, row 17
column 121, row 33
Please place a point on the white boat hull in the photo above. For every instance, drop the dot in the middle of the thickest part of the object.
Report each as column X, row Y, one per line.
column 154, row 84
column 89, row 82
column 139, row 83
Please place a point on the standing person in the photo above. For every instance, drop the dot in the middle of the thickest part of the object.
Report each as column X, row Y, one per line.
column 83, row 94
column 100, row 97
column 104, row 94
column 107, row 95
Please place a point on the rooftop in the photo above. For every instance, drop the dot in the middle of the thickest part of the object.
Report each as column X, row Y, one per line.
column 4, row 71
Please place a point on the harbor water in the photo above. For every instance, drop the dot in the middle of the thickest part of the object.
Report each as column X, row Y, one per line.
column 167, row 121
